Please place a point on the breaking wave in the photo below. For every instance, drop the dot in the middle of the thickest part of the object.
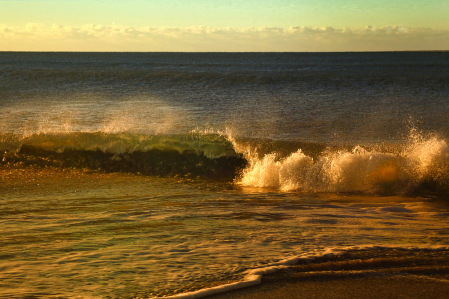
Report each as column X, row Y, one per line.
column 421, row 164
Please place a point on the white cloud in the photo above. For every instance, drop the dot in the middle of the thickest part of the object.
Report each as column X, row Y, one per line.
column 93, row 37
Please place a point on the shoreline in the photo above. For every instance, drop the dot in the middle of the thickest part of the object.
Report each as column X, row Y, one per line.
column 367, row 272
column 347, row 287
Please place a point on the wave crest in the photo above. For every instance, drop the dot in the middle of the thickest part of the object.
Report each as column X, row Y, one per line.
column 422, row 164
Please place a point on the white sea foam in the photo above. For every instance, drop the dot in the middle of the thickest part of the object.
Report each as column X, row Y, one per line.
column 361, row 170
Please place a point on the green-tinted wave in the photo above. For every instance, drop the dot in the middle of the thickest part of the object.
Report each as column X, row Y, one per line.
column 209, row 156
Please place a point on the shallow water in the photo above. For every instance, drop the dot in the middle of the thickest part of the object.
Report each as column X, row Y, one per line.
column 114, row 235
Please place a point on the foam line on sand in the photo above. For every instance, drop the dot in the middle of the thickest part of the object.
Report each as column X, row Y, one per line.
column 253, row 276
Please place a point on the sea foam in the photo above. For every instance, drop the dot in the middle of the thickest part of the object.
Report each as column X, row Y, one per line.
column 422, row 163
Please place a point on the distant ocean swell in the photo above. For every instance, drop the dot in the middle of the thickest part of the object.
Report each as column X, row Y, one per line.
column 419, row 165
column 154, row 78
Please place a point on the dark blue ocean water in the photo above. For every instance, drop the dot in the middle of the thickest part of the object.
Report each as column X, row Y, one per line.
column 321, row 97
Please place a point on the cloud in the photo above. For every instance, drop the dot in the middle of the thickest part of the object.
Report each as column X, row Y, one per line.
column 94, row 37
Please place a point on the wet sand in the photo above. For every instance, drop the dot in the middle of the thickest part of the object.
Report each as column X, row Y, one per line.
column 358, row 274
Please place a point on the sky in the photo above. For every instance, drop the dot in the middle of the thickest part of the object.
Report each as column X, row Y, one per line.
column 224, row 25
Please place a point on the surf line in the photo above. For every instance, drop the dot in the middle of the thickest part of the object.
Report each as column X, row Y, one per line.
column 254, row 276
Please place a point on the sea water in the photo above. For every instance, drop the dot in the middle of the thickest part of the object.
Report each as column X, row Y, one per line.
column 130, row 175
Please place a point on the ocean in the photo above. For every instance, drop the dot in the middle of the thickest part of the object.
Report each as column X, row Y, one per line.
column 126, row 175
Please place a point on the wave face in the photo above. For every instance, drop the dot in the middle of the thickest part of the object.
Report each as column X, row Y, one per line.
column 208, row 156
column 421, row 164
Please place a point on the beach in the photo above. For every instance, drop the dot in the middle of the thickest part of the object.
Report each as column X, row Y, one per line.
column 374, row 273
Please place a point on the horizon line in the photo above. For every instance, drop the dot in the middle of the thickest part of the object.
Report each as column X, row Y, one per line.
column 230, row 52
